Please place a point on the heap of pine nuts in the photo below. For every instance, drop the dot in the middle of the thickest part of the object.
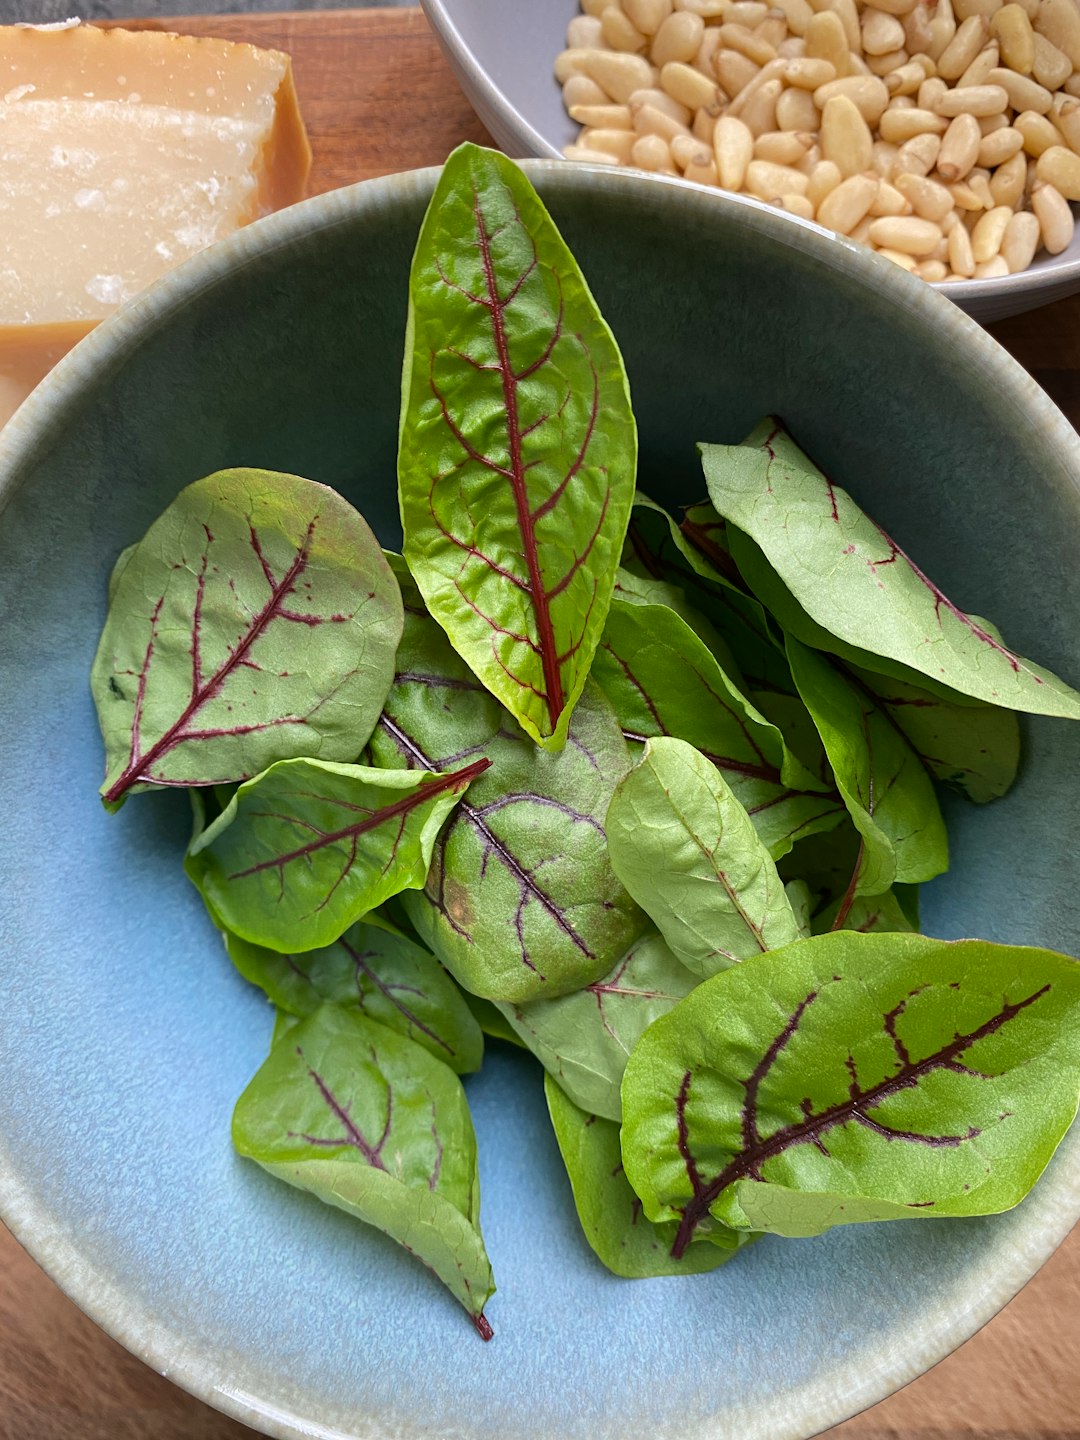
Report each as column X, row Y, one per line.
column 945, row 134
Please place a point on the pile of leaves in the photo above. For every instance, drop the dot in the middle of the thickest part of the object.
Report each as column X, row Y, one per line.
column 649, row 796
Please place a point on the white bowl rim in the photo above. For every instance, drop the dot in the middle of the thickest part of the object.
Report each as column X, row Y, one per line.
column 1050, row 1211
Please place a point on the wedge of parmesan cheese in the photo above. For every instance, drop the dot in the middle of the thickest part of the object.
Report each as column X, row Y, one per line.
column 122, row 153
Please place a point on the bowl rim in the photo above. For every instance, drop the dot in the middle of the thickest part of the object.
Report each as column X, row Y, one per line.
column 1053, row 1207
column 491, row 101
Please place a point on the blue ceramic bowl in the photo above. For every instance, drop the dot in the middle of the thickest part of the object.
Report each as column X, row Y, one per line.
column 125, row 1036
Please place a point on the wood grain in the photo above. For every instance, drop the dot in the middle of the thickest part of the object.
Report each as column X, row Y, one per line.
column 378, row 97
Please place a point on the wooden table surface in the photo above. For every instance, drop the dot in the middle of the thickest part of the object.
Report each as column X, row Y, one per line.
column 378, row 97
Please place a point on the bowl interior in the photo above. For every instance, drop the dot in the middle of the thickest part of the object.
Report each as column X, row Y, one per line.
column 504, row 54
column 126, row 1035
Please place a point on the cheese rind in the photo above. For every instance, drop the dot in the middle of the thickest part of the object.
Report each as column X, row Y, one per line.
column 122, row 153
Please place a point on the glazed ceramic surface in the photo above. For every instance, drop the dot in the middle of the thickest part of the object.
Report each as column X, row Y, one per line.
column 125, row 1036
column 503, row 52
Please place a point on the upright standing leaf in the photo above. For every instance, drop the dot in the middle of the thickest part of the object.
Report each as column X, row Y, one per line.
column 389, row 978
column 518, row 447
column 307, row 848
column 663, row 680
column 854, row 1077
column 521, row 900
column 888, row 792
column 255, row 621
column 686, row 850
column 583, row 1039
column 610, row 1213
column 974, row 747
column 371, row 1123
column 856, row 582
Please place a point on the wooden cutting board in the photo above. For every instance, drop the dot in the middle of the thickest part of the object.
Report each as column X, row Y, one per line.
column 378, row 97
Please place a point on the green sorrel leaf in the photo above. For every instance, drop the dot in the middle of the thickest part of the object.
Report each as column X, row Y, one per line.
column 393, row 981
column 307, row 848
column 609, row 1211
column 584, row 1039
column 255, row 621
column 854, row 1077
column 855, row 581
column 663, row 680
column 521, row 900
column 689, row 855
column 518, row 446
column 371, row 1123
column 887, row 790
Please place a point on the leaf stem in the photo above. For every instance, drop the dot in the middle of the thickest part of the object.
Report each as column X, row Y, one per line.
column 849, row 894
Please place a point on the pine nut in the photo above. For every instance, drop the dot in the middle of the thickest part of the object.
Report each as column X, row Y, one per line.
column 905, row 80
column 989, row 232
column 660, row 100
column 917, row 156
column 571, row 62
column 1021, row 241
column 647, row 15
column 734, row 71
column 980, row 185
column 861, row 233
column 743, row 12
column 798, row 15
column 988, row 58
column 602, row 117
column 617, row 73
column 595, row 7
column 585, row 156
column 648, row 120
column 930, row 92
column 1055, row 218
column 989, row 123
column 686, row 150
column 810, row 159
column 843, row 208
column 733, row 147
column 773, row 29
column 917, row 32
column 584, row 32
column 889, row 201
column 849, row 18
column 974, row 100
column 965, row 198
column 613, row 142
column 580, row 90
column 881, row 33
column 1050, row 67
column 711, row 9
column 1061, row 168
column 964, row 9
column 809, row 74
column 706, row 52
column 702, row 127
column 845, row 136
column 823, row 179
column 884, row 65
column 791, row 48
column 898, row 257
column 1038, row 132
column 678, row 38
column 1016, row 38
column 689, row 87
column 826, row 40
column 1030, row 8
column 883, row 158
column 942, row 29
column 739, row 38
column 963, row 47
column 961, row 259
column 897, row 126
column 1067, row 118
column 759, row 112
column 619, row 33
column 782, row 147
column 931, row 270
column 868, row 94
column 1023, row 92
column 928, row 199
column 795, row 205
column 1000, row 146
column 908, row 233
column 1059, row 21
column 795, row 110
column 959, row 147
column 1008, row 181
column 895, row 7
column 768, row 182
column 651, row 152
column 991, row 269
